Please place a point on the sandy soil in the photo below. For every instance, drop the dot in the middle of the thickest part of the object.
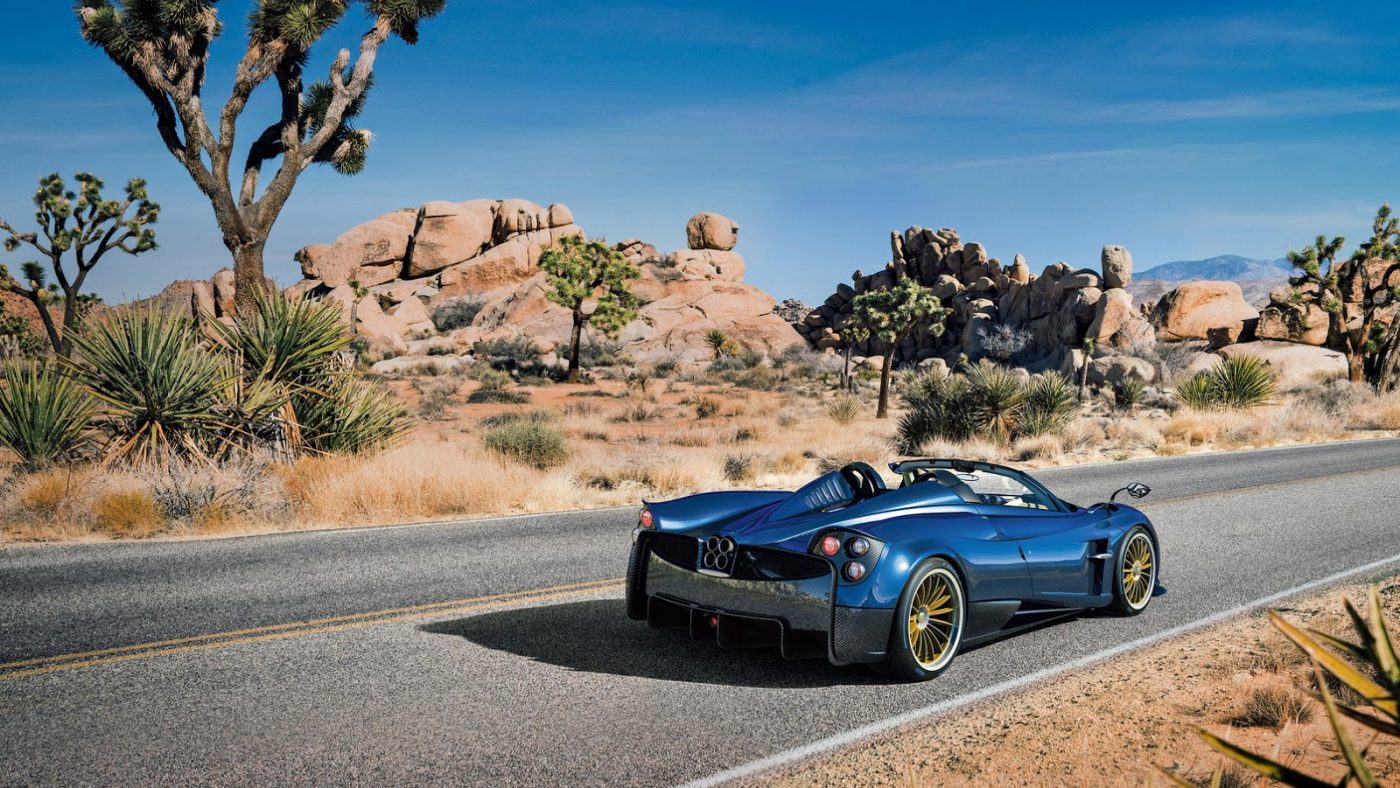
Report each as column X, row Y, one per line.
column 1121, row 722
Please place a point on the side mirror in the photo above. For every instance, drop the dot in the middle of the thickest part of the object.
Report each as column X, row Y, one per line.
column 1136, row 490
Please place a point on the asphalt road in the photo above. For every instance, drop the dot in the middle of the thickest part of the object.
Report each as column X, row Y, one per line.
column 497, row 651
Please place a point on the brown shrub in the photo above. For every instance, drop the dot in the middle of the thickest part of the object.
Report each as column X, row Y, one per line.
column 129, row 514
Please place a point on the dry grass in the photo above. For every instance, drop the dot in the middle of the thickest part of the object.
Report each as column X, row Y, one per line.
column 128, row 513
column 1118, row 722
column 626, row 442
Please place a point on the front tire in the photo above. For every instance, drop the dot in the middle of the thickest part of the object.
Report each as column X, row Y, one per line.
column 928, row 623
column 1135, row 573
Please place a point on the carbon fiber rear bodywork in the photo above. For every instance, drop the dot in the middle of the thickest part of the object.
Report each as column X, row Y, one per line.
column 771, row 598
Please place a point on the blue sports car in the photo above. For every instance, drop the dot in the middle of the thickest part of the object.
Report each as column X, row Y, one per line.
column 900, row 578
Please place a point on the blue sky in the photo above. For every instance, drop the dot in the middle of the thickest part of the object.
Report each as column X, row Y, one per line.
column 1042, row 129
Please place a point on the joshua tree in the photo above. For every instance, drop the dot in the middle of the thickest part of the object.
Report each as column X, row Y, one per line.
column 1358, row 296
column 86, row 224
column 583, row 273
column 889, row 315
column 163, row 46
column 852, row 333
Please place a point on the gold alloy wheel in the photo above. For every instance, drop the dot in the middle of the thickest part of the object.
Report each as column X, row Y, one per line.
column 1139, row 571
column 935, row 618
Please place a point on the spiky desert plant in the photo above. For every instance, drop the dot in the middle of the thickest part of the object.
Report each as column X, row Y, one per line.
column 1235, row 383
column 937, row 405
column 720, row 344
column 844, row 409
column 1243, row 382
column 1197, row 392
column 1127, row 393
column 1376, row 682
column 352, row 416
column 43, row 412
column 997, row 395
column 1049, row 405
column 158, row 387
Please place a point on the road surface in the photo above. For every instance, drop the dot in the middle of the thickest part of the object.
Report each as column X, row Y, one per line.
column 497, row 651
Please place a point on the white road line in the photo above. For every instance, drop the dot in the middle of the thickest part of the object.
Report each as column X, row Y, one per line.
column 772, row 762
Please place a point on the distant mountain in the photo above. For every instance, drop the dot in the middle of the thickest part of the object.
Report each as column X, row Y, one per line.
column 1255, row 277
column 1225, row 266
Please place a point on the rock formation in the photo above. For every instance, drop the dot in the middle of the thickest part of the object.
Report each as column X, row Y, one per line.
column 1056, row 311
column 1194, row 309
column 410, row 260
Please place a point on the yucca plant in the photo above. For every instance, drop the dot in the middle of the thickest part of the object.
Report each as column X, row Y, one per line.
column 352, row 416
column 844, row 409
column 1243, row 382
column 1197, row 392
column 1235, row 383
column 43, row 413
column 1127, row 393
column 721, row 344
column 1376, row 681
column 997, row 396
column 937, row 405
column 158, row 387
column 1049, row 406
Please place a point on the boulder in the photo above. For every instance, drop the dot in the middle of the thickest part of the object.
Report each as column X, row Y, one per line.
column 1113, row 310
column 301, row 289
column 379, row 242
column 413, row 314
column 1305, row 323
column 222, row 284
column 371, row 322
column 711, row 231
column 309, row 258
column 1192, row 309
column 1117, row 265
column 1293, row 364
column 1019, row 271
column 516, row 216
column 1078, row 279
column 449, row 233
column 1110, row 370
column 202, row 300
column 558, row 215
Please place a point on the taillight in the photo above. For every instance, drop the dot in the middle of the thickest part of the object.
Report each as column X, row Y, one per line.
column 857, row 546
column 854, row 571
column 830, row 545
column 645, row 519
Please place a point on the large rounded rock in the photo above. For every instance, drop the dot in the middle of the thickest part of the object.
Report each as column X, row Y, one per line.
column 517, row 216
column 377, row 243
column 449, row 233
column 1293, row 364
column 1191, row 310
column 1305, row 323
column 1111, row 370
column 711, row 231
column 1114, row 309
column 1117, row 266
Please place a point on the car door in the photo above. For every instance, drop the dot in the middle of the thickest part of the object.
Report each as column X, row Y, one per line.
column 1059, row 549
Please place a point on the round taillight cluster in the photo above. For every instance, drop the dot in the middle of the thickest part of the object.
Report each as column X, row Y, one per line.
column 646, row 520
column 854, row 570
column 829, row 545
column 857, row 546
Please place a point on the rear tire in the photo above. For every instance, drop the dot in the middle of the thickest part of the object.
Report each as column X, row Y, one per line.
column 1134, row 572
column 928, row 623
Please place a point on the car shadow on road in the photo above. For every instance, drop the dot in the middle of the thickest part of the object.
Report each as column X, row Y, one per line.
column 597, row 637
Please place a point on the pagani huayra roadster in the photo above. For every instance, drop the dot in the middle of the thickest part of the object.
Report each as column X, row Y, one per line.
column 900, row 578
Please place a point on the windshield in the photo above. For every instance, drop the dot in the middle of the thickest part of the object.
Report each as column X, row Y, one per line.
column 822, row 494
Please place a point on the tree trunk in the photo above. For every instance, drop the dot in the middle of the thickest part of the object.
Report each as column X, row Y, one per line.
column 71, row 318
column 1083, row 377
column 573, row 346
column 883, row 410
column 846, row 368
column 55, row 339
column 248, row 278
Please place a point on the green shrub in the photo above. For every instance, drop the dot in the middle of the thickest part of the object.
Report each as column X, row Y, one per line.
column 987, row 399
column 457, row 313
column 706, row 408
column 750, row 358
column 844, row 409
column 493, row 389
column 516, row 352
column 599, row 353
column 537, row 416
column 1239, row 382
column 1128, row 392
column 530, row 442
column 158, row 387
column 350, row 416
column 1049, row 406
column 997, row 394
column 738, row 468
column 43, row 413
